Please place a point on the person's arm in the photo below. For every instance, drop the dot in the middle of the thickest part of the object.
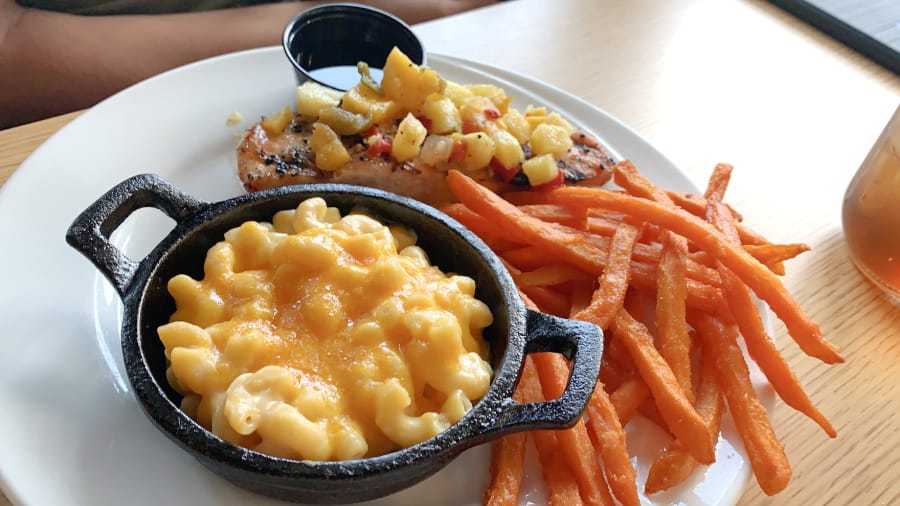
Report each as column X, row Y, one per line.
column 52, row 63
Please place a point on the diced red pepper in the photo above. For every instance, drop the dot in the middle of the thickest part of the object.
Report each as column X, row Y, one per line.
column 556, row 182
column 459, row 150
column 425, row 122
column 378, row 147
column 372, row 130
column 491, row 114
column 505, row 174
column 469, row 127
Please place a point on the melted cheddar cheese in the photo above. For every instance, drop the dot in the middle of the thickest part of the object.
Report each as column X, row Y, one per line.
column 324, row 337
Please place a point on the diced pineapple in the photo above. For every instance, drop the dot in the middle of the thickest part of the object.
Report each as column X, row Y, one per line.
column 430, row 82
column 535, row 121
column 407, row 83
column 507, row 150
column 442, row 113
column 361, row 99
column 457, row 93
column 540, row 169
column 233, row 119
column 312, row 97
column 516, row 124
column 399, row 72
column 473, row 108
column 473, row 114
column 276, row 123
column 493, row 93
column 330, row 152
column 479, row 150
column 550, row 140
column 555, row 119
column 410, row 135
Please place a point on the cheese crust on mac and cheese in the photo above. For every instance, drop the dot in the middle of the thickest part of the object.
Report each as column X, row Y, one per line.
column 322, row 337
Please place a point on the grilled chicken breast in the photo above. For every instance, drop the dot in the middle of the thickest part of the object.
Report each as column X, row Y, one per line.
column 266, row 161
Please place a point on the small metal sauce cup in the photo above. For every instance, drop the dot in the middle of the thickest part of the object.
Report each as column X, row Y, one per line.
column 516, row 332
column 345, row 34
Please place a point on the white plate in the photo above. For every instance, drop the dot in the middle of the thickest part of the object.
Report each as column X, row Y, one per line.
column 72, row 433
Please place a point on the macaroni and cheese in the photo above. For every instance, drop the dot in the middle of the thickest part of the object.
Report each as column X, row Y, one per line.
column 324, row 337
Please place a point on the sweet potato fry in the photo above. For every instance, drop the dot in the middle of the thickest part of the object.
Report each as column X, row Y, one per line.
column 672, row 466
column 529, row 257
column 627, row 398
column 767, row 253
column 763, row 351
column 575, row 443
column 676, row 463
column 562, row 489
column 672, row 340
column 615, row 364
column 483, row 228
column 525, row 198
column 532, row 257
column 718, row 182
column 567, row 245
column 626, row 175
column 760, row 346
column 561, row 243
column 601, row 226
column 542, row 298
column 507, row 463
column 648, row 410
column 613, row 283
column 607, row 215
column 507, row 467
column 555, row 214
column 699, row 295
column 566, row 490
column 548, row 300
column 580, row 296
column 552, row 274
column 605, row 256
column 766, row 455
column 575, row 452
column 671, row 401
column 694, row 270
column 696, row 206
column 609, row 435
column 770, row 255
column 760, row 279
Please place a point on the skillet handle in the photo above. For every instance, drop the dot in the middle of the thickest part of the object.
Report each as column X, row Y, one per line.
column 580, row 342
column 91, row 230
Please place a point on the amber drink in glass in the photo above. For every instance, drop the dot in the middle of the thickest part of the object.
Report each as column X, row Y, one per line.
column 871, row 211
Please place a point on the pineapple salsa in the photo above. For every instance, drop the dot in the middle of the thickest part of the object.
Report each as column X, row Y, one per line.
column 463, row 126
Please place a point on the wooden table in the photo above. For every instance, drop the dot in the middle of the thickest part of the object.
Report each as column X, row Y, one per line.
column 740, row 82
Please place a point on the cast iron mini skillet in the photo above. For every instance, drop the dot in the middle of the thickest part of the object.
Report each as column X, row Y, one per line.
column 515, row 332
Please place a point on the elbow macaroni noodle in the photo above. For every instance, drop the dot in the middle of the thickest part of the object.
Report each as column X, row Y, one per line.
column 323, row 337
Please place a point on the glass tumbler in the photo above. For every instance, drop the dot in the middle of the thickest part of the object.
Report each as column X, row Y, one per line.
column 871, row 211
